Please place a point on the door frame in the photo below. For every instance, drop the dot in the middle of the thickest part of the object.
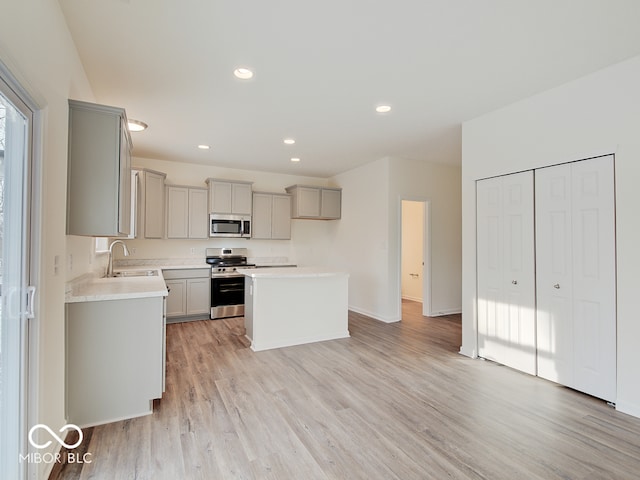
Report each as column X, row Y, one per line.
column 33, row 232
column 426, row 253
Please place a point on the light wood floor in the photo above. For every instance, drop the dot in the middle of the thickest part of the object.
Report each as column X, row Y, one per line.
column 394, row 401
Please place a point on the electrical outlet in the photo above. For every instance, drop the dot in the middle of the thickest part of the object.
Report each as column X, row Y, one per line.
column 56, row 265
column 133, row 250
column 70, row 262
column 193, row 251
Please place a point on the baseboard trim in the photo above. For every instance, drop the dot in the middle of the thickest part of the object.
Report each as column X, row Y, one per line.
column 449, row 311
column 367, row 313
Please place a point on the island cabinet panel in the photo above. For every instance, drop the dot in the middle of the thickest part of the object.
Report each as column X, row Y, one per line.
column 98, row 171
column 310, row 318
column 114, row 359
column 229, row 197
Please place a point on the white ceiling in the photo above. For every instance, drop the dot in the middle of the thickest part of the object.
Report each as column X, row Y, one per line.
column 321, row 67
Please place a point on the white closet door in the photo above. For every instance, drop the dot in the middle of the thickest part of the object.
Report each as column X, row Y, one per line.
column 554, row 273
column 594, row 277
column 506, row 281
column 489, row 254
column 575, row 249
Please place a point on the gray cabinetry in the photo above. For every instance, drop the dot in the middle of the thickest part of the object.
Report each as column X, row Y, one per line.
column 98, row 171
column 186, row 212
column 114, row 359
column 189, row 291
column 226, row 196
column 150, row 204
column 319, row 203
column 271, row 216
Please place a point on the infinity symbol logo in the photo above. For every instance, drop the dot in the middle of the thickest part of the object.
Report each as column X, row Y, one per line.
column 69, row 426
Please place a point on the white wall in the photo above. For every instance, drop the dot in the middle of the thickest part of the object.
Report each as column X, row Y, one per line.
column 594, row 115
column 37, row 48
column 440, row 185
column 412, row 250
column 367, row 240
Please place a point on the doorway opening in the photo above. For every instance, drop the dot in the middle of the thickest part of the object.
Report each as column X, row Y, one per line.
column 415, row 257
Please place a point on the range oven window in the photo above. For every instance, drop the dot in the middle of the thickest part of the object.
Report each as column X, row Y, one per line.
column 227, row 291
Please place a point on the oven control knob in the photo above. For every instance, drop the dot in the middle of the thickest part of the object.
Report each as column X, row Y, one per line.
column 234, row 269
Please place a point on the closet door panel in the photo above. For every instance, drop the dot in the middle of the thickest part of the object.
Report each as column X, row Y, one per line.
column 489, row 248
column 519, row 271
column 506, row 286
column 594, row 277
column 553, row 273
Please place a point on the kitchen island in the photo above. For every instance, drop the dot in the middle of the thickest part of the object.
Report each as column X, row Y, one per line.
column 293, row 306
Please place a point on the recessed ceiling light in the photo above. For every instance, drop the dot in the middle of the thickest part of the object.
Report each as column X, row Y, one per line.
column 383, row 108
column 243, row 73
column 204, row 147
column 295, row 159
column 289, row 141
column 136, row 125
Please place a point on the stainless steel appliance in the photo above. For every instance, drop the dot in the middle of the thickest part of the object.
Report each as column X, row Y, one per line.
column 238, row 226
column 227, row 285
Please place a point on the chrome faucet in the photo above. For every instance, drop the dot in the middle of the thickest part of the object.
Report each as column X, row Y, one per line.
column 110, row 264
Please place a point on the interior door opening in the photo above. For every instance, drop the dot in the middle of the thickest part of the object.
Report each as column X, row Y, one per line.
column 415, row 272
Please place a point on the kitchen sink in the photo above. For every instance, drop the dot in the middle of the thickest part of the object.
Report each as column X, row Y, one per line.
column 136, row 273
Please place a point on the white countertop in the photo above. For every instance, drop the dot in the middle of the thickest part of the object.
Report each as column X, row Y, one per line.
column 92, row 289
column 291, row 272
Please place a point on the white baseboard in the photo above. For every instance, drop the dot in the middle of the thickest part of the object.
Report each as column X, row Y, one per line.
column 374, row 315
column 471, row 353
column 448, row 311
column 413, row 299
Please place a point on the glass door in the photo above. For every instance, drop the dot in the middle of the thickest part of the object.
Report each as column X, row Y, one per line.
column 15, row 297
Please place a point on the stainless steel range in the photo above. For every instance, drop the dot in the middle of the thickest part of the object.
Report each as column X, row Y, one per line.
column 227, row 285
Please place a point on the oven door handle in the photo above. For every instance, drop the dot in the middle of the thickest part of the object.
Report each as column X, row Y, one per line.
column 231, row 290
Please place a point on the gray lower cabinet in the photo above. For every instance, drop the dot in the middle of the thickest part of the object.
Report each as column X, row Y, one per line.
column 114, row 359
column 189, row 291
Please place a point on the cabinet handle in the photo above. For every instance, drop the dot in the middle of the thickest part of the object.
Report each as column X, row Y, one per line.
column 557, row 286
column 515, row 282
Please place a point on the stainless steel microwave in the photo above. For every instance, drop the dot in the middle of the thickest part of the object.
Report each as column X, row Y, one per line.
column 229, row 226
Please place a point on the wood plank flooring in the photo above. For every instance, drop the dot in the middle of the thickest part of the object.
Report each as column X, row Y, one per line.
column 394, row 401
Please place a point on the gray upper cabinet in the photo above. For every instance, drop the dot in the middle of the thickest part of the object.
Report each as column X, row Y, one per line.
column 150, row 204
column 186, row 212
column 98, row 171
column 226, row 196
column 319, row 203
column 271, row 217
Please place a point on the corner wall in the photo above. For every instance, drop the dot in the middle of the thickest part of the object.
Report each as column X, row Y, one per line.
column 595, row 115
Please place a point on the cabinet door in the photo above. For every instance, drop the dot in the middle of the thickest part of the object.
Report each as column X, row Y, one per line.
column 153, row 205
column 331, row 202
column 124, row 194
column 220, row 197
column 198, row 215
column 261, row 218
column 177, row 212
column 281, row 217
column 241, row 198
column 506, row 277
column 198, row 290
column 308, row 202
column 177, row 298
